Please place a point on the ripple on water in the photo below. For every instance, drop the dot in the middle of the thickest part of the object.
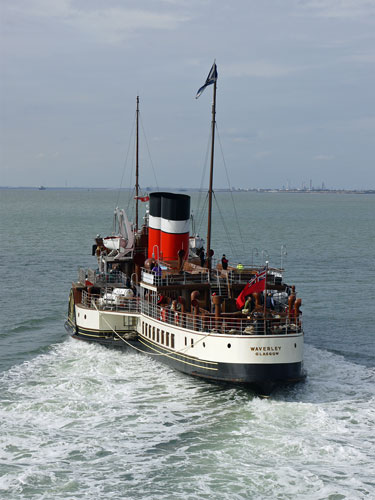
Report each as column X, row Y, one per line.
column 81, row 422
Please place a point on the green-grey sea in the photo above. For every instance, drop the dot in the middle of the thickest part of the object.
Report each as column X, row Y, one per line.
column 79, row 421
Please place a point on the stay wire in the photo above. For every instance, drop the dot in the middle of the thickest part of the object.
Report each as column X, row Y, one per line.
column 201, row 214
column 149, row 155
column 131, row 191
column 203, row 175
column 233, row 250
column 230, row 190
column 126, row 162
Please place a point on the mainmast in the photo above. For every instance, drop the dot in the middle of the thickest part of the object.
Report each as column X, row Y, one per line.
column 210, row 189
column 137, row 167
column 211, row 79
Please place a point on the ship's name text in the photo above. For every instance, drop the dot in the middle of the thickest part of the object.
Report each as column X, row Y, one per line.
column 266, row 350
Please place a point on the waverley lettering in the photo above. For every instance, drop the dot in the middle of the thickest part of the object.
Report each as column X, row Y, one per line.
column 266, row 350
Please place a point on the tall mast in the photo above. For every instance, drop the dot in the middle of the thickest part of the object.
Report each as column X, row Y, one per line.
column 137, row 168
column 210, row 190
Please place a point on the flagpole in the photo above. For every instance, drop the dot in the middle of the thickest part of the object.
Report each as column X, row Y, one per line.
column 210, row 190
column 137, row 167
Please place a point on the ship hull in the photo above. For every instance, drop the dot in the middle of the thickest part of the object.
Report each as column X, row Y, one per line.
column 262, row 373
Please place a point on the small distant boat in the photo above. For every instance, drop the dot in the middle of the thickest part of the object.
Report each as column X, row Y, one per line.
column 42, row 188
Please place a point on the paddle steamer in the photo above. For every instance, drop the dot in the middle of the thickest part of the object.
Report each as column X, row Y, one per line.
column 153, row 290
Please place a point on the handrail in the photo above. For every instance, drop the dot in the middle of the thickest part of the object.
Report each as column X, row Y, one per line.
column 225, row 324
column 105, row 303
column 254, row 324
column 97, row 278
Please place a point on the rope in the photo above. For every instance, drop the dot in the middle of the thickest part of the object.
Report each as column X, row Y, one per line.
column 148, row 150
column 224, row 225
column 151, row 353
column 230, row 189
column 203, row 176
column 125, row 163
column 202, row 214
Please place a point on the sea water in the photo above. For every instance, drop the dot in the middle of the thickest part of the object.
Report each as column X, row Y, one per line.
column 82, row 421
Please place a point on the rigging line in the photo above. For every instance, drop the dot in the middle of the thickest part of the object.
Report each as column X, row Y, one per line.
column 203, row 174
column 132, row 188
column 225, row 227
column 130, row 200
column 126, row 162
column 149, row 155
column 201, row 214
column 230, row 189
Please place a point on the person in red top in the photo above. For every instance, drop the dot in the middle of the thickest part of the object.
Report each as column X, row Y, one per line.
column 224, row 262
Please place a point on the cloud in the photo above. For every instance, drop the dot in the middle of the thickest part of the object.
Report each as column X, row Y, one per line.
column 47, row 156
column 261, row 69
column 111, row 24
column 262, row 154
column 237, row 136
column 324, row 157
column 364, row 58
column 344, row 9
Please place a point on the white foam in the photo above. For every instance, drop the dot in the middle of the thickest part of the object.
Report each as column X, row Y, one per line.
column 84, row 421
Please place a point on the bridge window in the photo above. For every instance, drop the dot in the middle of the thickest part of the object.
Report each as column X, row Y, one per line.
column 172, row 340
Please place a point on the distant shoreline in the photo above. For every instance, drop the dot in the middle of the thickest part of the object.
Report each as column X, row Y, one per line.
column 196, row 190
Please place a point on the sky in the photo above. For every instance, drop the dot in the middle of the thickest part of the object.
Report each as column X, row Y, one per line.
column 295, row 92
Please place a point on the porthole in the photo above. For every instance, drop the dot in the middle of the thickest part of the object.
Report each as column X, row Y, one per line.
column 204, row 344
column 229, row 346
column 295, row 345
column 85, row 316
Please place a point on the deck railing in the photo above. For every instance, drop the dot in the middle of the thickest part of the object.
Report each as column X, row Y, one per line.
column 96, row 278
column 254, row 324
column 104, row 302
column 164, row 278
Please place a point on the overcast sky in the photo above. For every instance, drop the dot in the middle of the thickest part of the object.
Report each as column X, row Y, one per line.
column 295, row 99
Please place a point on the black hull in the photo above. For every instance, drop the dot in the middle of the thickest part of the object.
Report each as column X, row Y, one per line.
column 263, row 378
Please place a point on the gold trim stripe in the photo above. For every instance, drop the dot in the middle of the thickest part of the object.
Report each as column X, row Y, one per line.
column 178, row 354
column 174, row 352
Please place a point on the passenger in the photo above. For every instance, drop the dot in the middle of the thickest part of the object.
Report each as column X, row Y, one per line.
column 224, row 262
column 270, row 303
column 201, row 256
column 249, row 305
column 156, row 269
